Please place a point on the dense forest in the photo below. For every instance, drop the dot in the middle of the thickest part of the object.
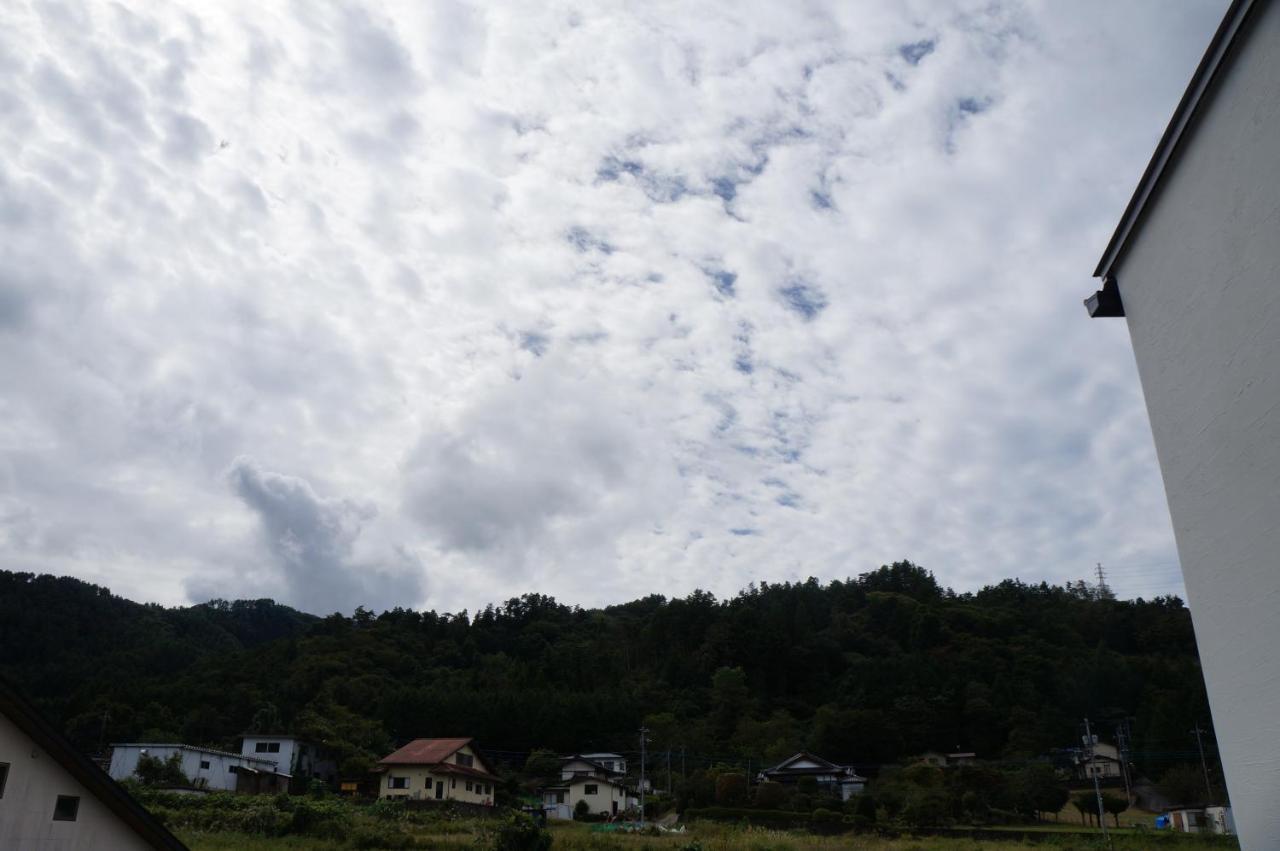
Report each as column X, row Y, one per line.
column 865, row 671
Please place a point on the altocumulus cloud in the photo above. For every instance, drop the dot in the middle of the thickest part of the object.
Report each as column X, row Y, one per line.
column 598, row 300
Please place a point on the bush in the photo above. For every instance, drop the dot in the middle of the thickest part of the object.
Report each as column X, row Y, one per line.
column 380, row 837
column 771, row 796
column 519, row 832
column 731, row 790
column 581, row 810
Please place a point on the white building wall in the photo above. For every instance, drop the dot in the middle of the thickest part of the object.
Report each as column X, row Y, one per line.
column 218, row 776
column 26, row 810
column 1201, row 289
column 285, row 760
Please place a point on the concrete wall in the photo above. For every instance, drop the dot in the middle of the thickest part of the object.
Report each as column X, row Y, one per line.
column 286, row 761
column 1201, row 288
column 26, row 810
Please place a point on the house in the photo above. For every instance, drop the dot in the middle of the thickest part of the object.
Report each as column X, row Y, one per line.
column 206, row 768
column 299, row 759
column 1193, row 267
column 439, row 770
column 840, row 779
column 1220, row 820
column 598, row 779
column 1104, row 762
column 612, row 761
column 54, row 798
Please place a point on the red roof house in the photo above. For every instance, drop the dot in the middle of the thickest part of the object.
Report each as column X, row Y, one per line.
column 438, row 769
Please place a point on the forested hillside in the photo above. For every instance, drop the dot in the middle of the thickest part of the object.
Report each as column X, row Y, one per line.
column 866, row 670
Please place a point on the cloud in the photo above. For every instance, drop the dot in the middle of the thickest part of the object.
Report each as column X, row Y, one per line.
column 575, row 297
column 312, row 542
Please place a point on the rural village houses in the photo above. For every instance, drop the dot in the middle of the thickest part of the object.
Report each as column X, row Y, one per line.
column 439, row 770
column 841, row 779
column 598, row 779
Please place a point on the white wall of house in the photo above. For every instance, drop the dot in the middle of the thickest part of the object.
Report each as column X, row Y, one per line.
column 31, row 790
column 207, row 769
column 603, row 798
column 285, row 758
column 1201, row 288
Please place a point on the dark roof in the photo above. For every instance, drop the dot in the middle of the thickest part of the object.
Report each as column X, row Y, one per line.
column 465, row 771
column 1215, row 60
column 591, row 762
column 824, row 767
column 14, row 707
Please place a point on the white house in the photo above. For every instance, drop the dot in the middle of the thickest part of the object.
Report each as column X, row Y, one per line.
column 1194, row 267
column 207, row 768
column 291, row 755
column 841, row 779
column 54, row 799
column 604, row 796
column 596, row 778
column 1103, row 762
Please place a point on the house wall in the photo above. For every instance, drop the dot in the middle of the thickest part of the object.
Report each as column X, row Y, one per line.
column 422, row 781
column 286, row 761
column 26, row 809
column 1201, row 288
column 218, row 776
column 601, row 803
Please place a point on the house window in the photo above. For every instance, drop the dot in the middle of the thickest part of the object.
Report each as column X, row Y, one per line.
column 397, row 782
column 4, row 776
column 591, row 789
column 559, row 797
column 464, row 760
column 453, row 783
column 204, row 764
column 66, row 808
column 468, row 785
column 267, row 747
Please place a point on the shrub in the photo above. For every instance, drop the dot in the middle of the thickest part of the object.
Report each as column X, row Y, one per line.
column 519, row 832
column 731, row 790
column 380, row 837
column 771, row 796
column 581, row 809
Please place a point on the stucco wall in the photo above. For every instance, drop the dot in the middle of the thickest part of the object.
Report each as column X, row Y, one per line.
column 602, row 801
column 1201, row 288
column 26, row 810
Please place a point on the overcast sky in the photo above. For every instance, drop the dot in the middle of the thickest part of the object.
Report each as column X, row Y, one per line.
column 439, row 303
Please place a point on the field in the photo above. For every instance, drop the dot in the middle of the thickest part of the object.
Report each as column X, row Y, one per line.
column 708, row 837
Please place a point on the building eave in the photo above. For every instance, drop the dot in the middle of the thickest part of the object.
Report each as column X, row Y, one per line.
column 1212, row 64
column 112, row 795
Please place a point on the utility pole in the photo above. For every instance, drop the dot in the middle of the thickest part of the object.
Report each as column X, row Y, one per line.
column 683, row 776
column 1204, row 766
column 668, row 771
column 1093, row 770
column 644, row 734
column 1123, row 741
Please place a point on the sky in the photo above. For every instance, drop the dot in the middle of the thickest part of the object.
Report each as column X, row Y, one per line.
column 433, row 304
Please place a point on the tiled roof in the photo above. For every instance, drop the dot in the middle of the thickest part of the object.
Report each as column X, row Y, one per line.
column 424, row 752
column 465, row 771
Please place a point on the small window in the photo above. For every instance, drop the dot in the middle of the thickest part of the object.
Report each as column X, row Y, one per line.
column 397, row 782
column 453, row 782
column 464, row 760
column 267, row 747
column 591, row 789
column 66, row 808
column 468, row 785
column 559, row 797
column 204, row 764
column 4, row 776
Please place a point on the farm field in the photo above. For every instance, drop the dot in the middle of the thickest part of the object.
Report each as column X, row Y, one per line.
column 700, row 837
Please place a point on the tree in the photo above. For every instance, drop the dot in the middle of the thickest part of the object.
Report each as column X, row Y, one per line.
column 153, row 771
column 542, row 764
column 1183, row 785
column 581, row 809
column 1039, row 790
column 1114, row 805
column 1086, row 804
